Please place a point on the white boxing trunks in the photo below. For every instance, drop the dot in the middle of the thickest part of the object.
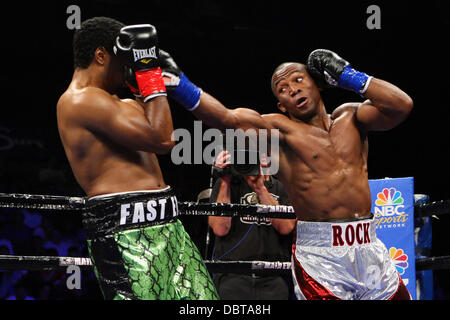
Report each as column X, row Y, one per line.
column 343, row 260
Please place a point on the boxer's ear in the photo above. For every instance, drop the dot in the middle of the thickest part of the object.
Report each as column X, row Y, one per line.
column 281, row 107
column 100, row 55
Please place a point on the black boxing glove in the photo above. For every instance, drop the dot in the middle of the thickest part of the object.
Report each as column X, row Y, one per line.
column 330, row 70
column 178, row 85
column 137, row 45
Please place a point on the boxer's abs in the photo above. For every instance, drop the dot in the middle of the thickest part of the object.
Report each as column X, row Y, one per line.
column 118, row 180
column 102, row 169
column 338, row 194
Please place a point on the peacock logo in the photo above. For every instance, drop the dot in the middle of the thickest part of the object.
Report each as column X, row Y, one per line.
column 389, row 209
column 399, row 258
column 389, row 197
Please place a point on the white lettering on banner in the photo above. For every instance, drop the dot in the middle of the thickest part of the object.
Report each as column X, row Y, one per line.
column 151, row 215
column 387, row 211
column 74, row 261
column 124, row 213
column 279, row 208
column 162, row 202
column 139, row 214
column 259, row 265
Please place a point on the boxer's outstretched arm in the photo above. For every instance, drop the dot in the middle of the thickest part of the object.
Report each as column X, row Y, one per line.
column 204, row 106
column 388, row 106
column 216, row 115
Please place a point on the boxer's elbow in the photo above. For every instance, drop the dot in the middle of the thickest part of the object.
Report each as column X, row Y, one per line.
column 164, row 147
column 155, row 144
column 403, row 108
column 162, row 140
column 394, row 113
column 406, row 105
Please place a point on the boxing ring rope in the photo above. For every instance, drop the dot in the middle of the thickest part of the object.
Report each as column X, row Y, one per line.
column 9, row 262
column 434, row 208
column 63, row 203
column 77, row 204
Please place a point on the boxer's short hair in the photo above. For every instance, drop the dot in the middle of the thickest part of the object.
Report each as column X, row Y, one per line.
column 94, row 33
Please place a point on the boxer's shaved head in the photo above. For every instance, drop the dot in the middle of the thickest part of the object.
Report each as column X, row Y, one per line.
column 282, row 71
column 94, row 33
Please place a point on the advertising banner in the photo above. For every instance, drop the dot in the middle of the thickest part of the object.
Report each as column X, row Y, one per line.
column 393, row 207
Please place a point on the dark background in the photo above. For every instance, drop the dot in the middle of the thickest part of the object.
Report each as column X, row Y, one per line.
column 230, row 49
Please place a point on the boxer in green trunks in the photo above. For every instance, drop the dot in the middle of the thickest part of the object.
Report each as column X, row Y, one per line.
column 138, row 247
column 141, row 250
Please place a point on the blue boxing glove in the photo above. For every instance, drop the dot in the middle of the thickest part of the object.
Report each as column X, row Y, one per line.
column 177, row 84
column 330, row 70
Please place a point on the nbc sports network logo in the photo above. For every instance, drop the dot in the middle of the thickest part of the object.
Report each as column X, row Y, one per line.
column 389, row 209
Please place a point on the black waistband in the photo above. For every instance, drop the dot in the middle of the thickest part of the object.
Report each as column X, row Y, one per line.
column 108, row 214
column 367, row 217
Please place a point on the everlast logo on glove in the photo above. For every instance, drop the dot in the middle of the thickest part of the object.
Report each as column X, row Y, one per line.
column 137, row 46
column 358, row 233
column 144, row 53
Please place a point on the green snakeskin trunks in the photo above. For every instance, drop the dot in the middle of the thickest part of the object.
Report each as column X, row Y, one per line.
column 140, row 250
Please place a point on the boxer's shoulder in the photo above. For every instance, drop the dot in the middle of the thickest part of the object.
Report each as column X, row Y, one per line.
column 277, row 120
column 86, row 106
column 346, row 109
column 89, row 98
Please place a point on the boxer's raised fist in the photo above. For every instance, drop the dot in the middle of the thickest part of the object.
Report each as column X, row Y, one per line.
column 138, row 46
column 330, row 70
column 325, row 67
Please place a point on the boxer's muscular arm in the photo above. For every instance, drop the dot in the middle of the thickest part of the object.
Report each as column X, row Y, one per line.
column 204, row 106
column 388, row 106
column 216, row 115
column 149, row 129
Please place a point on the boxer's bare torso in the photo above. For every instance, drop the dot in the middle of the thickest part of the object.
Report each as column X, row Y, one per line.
column 323, row 157
column 105, row 140
column 324, row 170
